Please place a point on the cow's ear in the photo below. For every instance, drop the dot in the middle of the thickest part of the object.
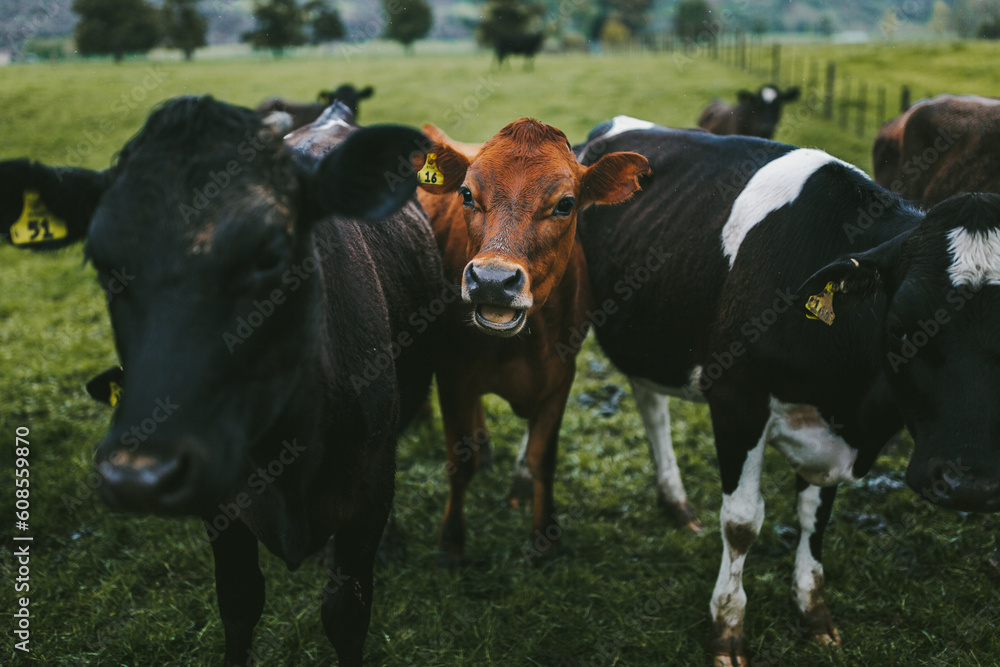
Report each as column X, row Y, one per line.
column 443, row 170
column 612, row 179
column 791, row 94
column 368, row 175
column 745, row 96
column 42, row 207
column 862, row 276
column 108, row 386
column 366, row 92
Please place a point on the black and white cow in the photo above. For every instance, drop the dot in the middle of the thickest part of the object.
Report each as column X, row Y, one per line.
column 755, row 114
column 903, row 328
column 265, row 285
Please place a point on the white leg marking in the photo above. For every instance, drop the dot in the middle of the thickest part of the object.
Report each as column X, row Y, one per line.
column 809, row 444
column 521, row 471
column 777, row 183
column 655, row 411
column 741, row 517
column 807, row 584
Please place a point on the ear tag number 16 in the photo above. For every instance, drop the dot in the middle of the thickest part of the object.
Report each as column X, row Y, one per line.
column 430, row 174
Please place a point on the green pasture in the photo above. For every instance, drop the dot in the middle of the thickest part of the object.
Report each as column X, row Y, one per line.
column 907, row 582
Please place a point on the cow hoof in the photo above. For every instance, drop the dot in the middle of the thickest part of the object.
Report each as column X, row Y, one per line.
column 521, row 493
column 817, row 625
column 683, row 514
column 729, row 649
column 450, row 562
column 731, row 661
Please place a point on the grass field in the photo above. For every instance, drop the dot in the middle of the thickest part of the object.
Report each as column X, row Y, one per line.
column 906, row 582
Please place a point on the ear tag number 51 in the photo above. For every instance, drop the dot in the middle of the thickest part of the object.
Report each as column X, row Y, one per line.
column 37, row 224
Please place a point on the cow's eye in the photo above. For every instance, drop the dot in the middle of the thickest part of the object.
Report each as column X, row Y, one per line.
column 467, row 199
column 271, row 258
column 564, row 207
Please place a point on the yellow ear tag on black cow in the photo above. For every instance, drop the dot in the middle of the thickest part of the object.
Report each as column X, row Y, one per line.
column 430, row 174
column 37, row 224
column 115, row 394
column 821, row 305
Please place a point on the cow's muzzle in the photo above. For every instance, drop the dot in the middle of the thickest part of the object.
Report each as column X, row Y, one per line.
column 950, row 484
column 500, row 297
column 155, row 484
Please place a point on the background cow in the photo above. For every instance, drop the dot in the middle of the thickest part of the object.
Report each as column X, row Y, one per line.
column 505, row 221
column 755, row 114
column 248, row 329
column 940, row 147
column 518, row 45
column 900, row 330
column 305, row 113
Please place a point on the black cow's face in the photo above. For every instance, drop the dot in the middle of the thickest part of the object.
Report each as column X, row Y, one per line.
column 202, row 239
column 764, row 109
column 941, row 351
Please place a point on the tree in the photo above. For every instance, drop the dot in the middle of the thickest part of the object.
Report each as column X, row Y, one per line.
column 633, row 14
column 692, row 19
column 940, row 21
column 183, row 26
column 508, row 18
column 115, row 27
column 279, row 25
column 409, row 20
column 325, row 22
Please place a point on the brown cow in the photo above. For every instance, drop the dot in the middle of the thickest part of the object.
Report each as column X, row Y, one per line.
column 509, row 240
column 756, row 114
column 940, row 147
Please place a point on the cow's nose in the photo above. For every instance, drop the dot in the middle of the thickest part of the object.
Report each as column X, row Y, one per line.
column 963, row 487
column 164, row 484
column 493, row 285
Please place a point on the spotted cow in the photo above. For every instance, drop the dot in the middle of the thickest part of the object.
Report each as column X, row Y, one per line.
column 755, row 114
column 813, row 311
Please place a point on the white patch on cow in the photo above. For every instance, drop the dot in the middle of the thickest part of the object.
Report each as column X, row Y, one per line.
column 278, row 122
column 521, row 470
column 807, row 582
column 768, row 94
column 810, row 445
column 975, row 257
column 776, row 184
column 655, row 411
column 689, row 392
column 620, row 124
column 742, row 510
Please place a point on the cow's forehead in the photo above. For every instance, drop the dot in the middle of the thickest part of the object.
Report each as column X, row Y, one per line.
column 974, row 257
column 768, row 94
column 966, row 231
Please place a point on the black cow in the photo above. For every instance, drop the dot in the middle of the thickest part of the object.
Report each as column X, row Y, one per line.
column 901, row 329
column 259, row 323
column 304, row 113
column 756, row 114
column 518, row 45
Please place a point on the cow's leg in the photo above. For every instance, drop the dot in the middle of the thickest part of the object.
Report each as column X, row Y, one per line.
column 655, row 411
column 815, row 505
column 239, row 586
column 738, row 424
column 459, row 410
column 481, row 438
column 523, row 487
column 347, row 598
column 543, row 445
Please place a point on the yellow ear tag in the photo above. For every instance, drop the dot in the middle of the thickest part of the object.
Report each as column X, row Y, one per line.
column 37, row 224
column 115, row 393
column 821, row 305
column 430, row 175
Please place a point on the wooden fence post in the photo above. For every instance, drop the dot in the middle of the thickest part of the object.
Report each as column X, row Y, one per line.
column 859, row 127
column 881, row 106
column 775, row 63
column 845, row 101
column 831, row 73
column 904, row 99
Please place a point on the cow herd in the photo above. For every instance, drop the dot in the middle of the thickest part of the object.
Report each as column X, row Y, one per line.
column 811, row 308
